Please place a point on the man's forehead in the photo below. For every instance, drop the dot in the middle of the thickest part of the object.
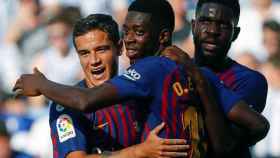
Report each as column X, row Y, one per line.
column 214, row 10
column 138, row 16
column 94, row 37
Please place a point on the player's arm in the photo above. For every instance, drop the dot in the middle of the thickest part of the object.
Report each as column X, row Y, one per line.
column 251, row 125
column 135, row 83
column 84, row 99
column 152, row 147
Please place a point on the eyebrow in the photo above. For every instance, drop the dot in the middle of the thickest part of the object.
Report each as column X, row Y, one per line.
column 82, row 51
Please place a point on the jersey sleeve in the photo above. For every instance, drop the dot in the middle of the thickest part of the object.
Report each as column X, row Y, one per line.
column 138, row 80
column 253, row 91
column 67, row 131
column 225, row 97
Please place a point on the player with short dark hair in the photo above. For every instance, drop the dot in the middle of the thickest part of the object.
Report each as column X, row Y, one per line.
column 157, row 82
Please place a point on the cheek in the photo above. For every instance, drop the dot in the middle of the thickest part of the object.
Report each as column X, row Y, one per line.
column 143, row 40
column 199, row 33
column 226, row 38
column 140, row 40
column 85, row 64
column 202, row 29
column 108, row 60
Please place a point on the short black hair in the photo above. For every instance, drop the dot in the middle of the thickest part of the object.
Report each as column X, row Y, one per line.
column 232, row 4
column 97, row 21
column 272, row 25
column 162, row 14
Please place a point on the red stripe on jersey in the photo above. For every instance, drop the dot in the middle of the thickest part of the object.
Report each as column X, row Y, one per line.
column 174, row 106
column 109, row 121
column 165, row 101
column 125, row 133
column 227, row 77
column 55, row 150
column 99, row 120
column 116, row 121
column 131, row 124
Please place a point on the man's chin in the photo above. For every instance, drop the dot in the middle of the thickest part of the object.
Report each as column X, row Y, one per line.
column 132, row 54
column 209, row 57
column 133, row 57
column 209, row 53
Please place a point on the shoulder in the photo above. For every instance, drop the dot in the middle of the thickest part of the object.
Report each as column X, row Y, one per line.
column 252, row 76
column 155, row 63
column 56, row 111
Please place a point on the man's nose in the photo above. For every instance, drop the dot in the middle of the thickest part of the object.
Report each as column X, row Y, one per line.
column 213, row 28
column 94, row 59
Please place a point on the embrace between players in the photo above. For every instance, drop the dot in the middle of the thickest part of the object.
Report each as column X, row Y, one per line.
column 162, row 106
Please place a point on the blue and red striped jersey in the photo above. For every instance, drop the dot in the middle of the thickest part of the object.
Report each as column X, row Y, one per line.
column 250, row 85
column 167, row 90
column 110, row 129
column 247, row 83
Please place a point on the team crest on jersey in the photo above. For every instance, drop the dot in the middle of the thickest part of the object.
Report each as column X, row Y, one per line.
column 65, row 128
column 132, row 74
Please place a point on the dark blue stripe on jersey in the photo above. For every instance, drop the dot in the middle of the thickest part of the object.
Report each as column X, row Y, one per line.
column 123, row 126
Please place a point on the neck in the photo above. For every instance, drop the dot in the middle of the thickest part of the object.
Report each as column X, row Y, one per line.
column 216, row 66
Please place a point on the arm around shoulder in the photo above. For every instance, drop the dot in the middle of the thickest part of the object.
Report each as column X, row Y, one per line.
column 255, row 125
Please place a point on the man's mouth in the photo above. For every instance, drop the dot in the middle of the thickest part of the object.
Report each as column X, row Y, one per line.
column 209, row 46
column 131, row 52
column 98, row 72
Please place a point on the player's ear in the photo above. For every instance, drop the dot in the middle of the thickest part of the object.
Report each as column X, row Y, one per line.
column 164, row 36
column 235, row 33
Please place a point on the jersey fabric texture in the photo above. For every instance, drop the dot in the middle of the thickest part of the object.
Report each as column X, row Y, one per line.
column 110, row 129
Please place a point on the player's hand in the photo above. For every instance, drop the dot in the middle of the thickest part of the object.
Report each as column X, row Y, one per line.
column 28, row 84
column 176, row 54
column 156, row 147
column 180, row 57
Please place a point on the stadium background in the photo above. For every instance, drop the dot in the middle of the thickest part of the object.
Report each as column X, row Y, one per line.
column 26, row 25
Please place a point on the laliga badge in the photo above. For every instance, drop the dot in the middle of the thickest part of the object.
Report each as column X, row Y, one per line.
column 65, row 128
